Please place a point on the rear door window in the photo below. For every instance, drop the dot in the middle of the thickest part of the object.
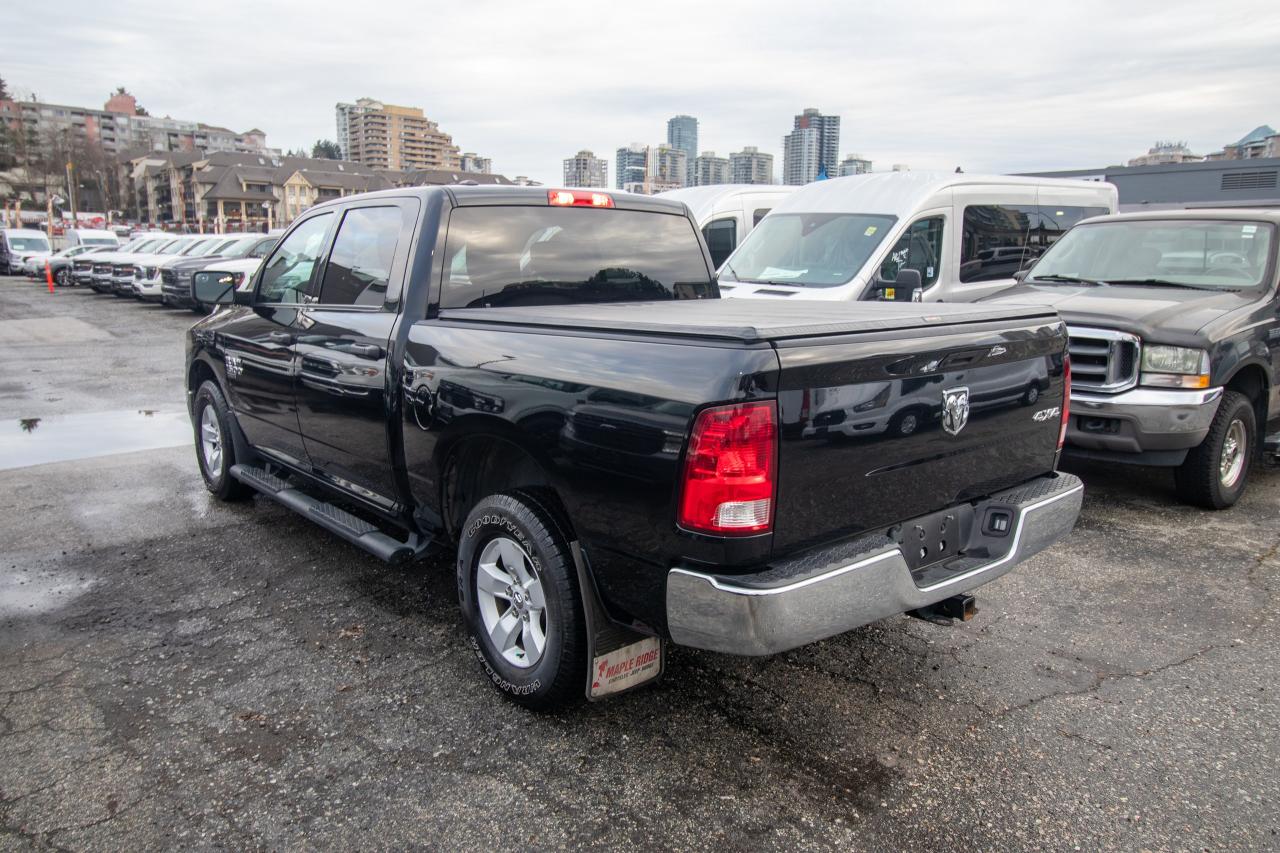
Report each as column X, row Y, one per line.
column 529, row 255
column 998, row 240
column 364, row 251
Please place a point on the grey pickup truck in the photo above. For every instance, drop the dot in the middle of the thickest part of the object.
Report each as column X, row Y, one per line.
column 1175, row 341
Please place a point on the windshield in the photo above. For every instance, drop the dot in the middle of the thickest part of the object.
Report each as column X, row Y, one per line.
column 100, row 241
column 29, row 244
column 239, row 248
column 1227, row 255
column 808, row 249
column 202, row 247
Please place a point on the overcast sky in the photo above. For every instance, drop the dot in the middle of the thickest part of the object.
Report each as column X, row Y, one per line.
column 998, row 87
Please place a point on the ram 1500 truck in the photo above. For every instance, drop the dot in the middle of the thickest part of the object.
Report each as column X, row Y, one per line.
column 1175, row 341
column 546, row 381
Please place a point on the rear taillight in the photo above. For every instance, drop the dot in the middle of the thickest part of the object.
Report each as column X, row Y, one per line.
column 1066, row 400
column 577, row 198
column 730, row 470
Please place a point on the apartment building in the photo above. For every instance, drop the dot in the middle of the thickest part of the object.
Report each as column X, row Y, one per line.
column 585, row 169
column 709, row 169
column 118, row 128
column 1261, row 142
column 632, row 165
column 750, row 166
column 469, row 161
column 812, row 149
column 854, row 164
column 386, row 136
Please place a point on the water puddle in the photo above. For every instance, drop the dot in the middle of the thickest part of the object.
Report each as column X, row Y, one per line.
column 59, row 438
column 30, row 593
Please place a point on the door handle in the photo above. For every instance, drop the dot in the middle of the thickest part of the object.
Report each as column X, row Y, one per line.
column 280, row 337
column 365, row 350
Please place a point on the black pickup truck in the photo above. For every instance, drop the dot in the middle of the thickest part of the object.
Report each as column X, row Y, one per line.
column 547, row 381
column 1174, row 322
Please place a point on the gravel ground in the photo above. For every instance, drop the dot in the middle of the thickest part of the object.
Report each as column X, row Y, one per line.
column 180, row 673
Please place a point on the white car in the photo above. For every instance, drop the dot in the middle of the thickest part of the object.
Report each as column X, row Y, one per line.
column 898, row 236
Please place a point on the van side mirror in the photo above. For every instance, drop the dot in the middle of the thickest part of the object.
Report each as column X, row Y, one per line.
column 907, row 286
column 211, row 287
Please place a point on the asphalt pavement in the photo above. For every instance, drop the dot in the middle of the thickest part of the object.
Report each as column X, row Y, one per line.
column 179, row 673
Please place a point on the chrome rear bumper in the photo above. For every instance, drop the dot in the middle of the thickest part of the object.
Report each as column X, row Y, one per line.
column 776, row 610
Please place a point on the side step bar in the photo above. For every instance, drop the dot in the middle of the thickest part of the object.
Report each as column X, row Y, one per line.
column 338, row 521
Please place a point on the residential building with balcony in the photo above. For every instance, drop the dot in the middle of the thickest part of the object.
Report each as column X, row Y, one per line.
column 1261, row 142
column 708, row 169
column 386, row 136
column 854, row 164
column 585, row 169
column 750, row 166
column 1163, row 153
column 632, row 165
column 812, row 149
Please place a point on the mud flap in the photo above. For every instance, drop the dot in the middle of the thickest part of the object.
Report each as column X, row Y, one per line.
column 619, row 659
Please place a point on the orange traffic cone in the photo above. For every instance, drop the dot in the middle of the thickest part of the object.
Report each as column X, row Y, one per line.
column 48, row 275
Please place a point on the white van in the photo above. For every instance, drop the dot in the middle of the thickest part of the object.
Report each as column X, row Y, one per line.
column 22, row 250
column 931, row 237
column 90, row 237
column 727, row 212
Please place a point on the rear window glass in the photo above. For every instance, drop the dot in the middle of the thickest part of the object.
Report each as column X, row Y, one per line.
column 498, row 256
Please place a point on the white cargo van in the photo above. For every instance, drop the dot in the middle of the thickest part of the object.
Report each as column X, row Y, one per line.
column 22, row 250
column 927, row 236
column 727, row 212
column 90, row 237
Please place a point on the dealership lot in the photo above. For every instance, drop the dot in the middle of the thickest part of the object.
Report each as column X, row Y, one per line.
column 181, row 672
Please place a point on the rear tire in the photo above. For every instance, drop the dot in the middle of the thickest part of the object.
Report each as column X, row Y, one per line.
column 518, row 589
column 215, row 449
column 1215, row 473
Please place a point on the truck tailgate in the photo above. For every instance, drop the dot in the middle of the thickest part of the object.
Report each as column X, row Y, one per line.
column 875, row 429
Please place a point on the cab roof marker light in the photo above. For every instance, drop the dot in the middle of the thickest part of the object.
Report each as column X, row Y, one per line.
column 578, row 198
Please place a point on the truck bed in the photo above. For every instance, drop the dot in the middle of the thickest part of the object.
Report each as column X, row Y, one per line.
column 748, row 321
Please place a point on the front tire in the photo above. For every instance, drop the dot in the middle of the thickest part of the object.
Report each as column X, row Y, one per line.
column 63, row 278
column 1215, row 473
column 518, row 589
column 215, row 449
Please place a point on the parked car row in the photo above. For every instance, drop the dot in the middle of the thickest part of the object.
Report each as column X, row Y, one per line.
column 157, row 267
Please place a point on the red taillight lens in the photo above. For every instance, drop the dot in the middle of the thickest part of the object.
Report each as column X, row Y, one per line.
column 730, row 470
column 577, row 198
column 1066, row 400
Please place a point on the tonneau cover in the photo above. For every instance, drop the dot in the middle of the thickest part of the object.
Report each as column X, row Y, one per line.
column 746, row 320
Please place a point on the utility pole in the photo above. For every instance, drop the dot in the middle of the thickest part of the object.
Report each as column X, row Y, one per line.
column 71, row 192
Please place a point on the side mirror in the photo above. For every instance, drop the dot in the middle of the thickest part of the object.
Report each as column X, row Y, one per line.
column 1021, row 274
column 907, row 286
column 211, row 287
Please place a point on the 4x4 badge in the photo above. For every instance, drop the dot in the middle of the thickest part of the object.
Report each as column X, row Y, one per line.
column 955, row 409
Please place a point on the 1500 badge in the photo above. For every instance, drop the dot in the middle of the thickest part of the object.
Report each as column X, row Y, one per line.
column 1046, row 414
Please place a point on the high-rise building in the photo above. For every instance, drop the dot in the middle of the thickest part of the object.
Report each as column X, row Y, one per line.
column 750, row 166
column 800, row 162
column 632, row 165
column 812, row 149
column 854, row 165
column 585, row 169
column 709, row 169
column 386, row 136
column 668, row 169
column 682, row 133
